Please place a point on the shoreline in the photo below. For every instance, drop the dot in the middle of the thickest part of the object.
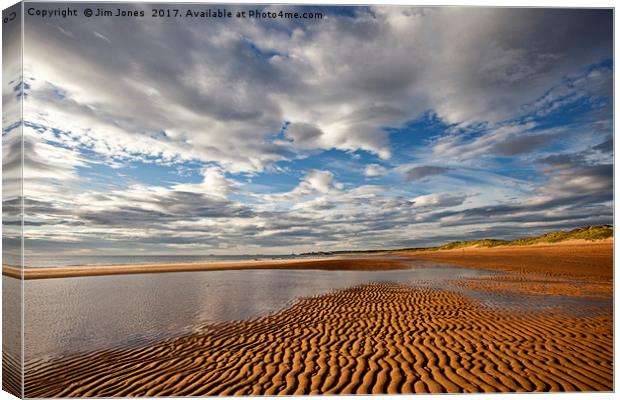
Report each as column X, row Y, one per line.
column 340, row 263
column 592, row 260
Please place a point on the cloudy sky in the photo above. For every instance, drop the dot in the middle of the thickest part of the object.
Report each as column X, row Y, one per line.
column 376, row 127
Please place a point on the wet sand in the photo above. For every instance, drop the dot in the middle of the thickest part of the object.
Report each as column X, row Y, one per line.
column 349, row 263
column 374, row 338
column 11, row 374
column 382, row 338
column 589, row 260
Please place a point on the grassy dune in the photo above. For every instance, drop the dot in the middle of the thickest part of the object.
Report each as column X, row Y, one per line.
column 589, row 233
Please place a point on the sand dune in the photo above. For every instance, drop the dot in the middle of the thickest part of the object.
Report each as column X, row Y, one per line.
column 375, row 338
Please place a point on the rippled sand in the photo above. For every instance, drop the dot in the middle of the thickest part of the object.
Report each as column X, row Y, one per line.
column 11, row 374
column 375, row 338
column 386, row 338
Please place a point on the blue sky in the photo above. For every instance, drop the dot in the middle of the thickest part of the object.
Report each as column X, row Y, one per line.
column 376, row 127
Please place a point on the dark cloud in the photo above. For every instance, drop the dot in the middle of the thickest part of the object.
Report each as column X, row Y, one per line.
column 573, row 193
column 605, row 147
column 523, row 144
column 128, row 211
column 567, row 159
column 588, row 184
column 418, row 173
column 304, row 135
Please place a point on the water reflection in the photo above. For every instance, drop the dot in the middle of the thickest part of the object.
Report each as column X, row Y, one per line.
column 70, row 315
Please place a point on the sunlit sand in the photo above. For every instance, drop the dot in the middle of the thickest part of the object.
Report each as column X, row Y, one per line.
column 380, row 337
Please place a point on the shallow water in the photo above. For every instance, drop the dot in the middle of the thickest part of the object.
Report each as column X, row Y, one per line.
column 50, row 260
column 72, row 315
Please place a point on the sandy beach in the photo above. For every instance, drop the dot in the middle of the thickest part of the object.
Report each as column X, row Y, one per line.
column 380, row 338
column 376, row 338
column 348, row 263
column 582, row 259
column 591, row 260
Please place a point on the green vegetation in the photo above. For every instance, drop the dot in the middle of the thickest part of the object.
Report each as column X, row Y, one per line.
column 590, row 233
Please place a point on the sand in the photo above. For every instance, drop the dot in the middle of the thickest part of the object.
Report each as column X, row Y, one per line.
column 11, row 374
column 589, row 260
column 382, row 338
column 348, row 263
column 374, row 338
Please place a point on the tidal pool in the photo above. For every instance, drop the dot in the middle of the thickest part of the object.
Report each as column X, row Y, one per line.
column 73, row 315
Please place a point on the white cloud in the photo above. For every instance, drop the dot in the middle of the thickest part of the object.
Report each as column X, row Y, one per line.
column 219, row 90
column 439, row 200
column 102, row 37
column 373, row 170
column 213, row 184
column 321, row 181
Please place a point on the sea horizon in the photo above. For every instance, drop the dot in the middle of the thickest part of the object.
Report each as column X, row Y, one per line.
column 41, row 261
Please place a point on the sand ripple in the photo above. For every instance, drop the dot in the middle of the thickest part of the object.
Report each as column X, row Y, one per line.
column 375, row 338
column 11, row 374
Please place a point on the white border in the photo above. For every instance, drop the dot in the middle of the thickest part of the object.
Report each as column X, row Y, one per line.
column 483, row 3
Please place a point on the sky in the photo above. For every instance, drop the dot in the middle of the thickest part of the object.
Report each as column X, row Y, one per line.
column 372, row 127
